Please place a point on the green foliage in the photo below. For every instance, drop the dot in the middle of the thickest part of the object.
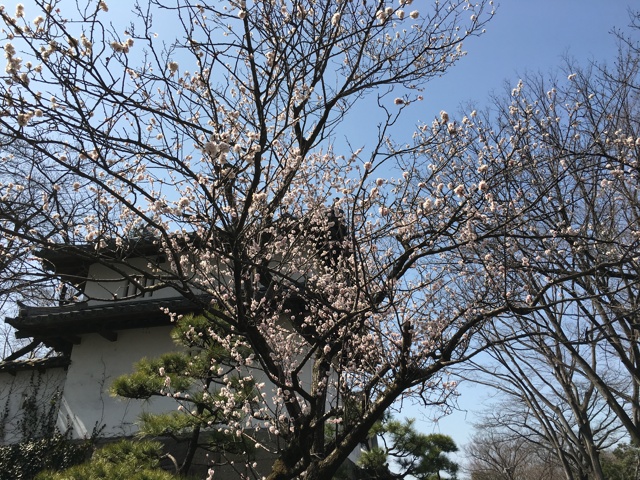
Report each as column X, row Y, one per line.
column 146, row 381
column 21, row 461
column 198, row 376
column 125, row 460
column 46, row 448
column 415, row 454
column 622, row 464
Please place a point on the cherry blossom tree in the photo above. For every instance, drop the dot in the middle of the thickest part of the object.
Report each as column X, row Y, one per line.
column 348, row 276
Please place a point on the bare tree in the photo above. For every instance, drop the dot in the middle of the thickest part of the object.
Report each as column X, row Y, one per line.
column 500, row 455
column 544, row 398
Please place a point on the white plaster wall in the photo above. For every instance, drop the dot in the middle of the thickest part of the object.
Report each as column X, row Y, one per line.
column 95, row 363
column 103, row 283
column 86, row 403
column 15, row 389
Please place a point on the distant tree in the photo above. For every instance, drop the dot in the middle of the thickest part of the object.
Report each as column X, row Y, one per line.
column 543, row 395
column 622, row 463
column 414, row 454
column 497, row 454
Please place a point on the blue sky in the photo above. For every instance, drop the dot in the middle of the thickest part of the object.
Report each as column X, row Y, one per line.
column 529, row 36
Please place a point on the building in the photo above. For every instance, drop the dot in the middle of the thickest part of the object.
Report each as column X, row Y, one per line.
column 99, row 339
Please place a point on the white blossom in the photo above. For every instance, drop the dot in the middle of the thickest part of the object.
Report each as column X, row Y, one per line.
column 173, row 67
column 23, row 119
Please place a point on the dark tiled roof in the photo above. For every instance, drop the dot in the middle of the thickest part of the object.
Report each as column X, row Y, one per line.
column 72, row 262
column 81, row 318
column 35, row 364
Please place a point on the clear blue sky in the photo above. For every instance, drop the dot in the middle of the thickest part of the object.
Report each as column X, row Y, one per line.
column 524, row 36
column 529, row 36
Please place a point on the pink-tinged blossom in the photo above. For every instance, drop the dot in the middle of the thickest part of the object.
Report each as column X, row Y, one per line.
column 415, row 14
column 173, row 67
column 459, row 190
column 242, row 14
column 335, row 19
column 400, row 14
column 399, row 101
column 9, row 50
column 23, row 119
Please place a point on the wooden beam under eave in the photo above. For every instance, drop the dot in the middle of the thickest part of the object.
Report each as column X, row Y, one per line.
column 72, row 339
column 109, row 335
